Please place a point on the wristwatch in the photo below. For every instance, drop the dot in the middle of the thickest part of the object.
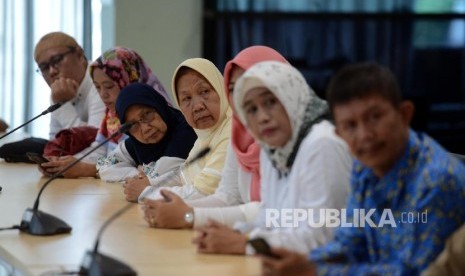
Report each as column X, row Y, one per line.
column 189, row 217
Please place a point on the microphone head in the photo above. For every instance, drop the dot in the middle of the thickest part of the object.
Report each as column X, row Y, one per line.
column 125, row 127
column 199, row 155
column 53, row 107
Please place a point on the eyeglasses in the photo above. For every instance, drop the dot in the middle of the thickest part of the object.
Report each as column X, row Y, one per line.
column 146, row 118
column 54, row 61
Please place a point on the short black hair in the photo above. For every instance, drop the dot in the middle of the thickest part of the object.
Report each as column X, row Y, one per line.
column 359, row 80
column 183, row 70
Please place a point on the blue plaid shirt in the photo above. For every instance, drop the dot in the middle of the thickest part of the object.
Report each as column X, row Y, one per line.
column 417, row 205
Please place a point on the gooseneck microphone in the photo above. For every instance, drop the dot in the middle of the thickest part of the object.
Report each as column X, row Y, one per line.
column 96, row 263
column 199, row 155
column 36, row 222
column 48, row 110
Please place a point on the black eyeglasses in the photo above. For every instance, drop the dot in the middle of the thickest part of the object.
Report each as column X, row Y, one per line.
column 54, row 62
column 146, row 118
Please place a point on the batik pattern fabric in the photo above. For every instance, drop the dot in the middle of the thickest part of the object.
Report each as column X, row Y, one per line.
column 417, row 205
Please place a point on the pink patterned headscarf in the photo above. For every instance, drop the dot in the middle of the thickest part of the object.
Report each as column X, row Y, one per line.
column 124, row 66
column 243, row 144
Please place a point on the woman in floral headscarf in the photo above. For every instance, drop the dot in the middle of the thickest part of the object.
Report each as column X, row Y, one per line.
column 112, row 71
column 123, row 66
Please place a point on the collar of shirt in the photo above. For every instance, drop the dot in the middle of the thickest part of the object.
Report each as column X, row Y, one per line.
column 393, row 183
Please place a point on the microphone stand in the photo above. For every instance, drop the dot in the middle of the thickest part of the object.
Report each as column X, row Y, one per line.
column 48, row 110
column 36, row 222
column 97, row 264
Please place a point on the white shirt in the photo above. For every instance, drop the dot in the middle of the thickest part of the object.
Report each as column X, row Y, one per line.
column 85, row 109
column 231, row 201
column 319, row 179
column 118, row 165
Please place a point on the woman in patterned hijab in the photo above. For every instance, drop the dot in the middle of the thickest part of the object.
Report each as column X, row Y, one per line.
column 303, row 107
column 123, row 66
column 304, row 165
column 115, row 69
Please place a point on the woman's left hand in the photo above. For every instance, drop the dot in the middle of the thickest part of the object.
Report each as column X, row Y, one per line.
column 134, row 186
column 287, row 263
column 168, row 212
column 57, row 164
column 219, row 238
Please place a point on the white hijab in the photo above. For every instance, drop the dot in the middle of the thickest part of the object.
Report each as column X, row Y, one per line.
column 304, row 108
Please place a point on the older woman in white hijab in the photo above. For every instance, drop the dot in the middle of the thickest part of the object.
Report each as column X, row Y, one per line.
column 303, row 163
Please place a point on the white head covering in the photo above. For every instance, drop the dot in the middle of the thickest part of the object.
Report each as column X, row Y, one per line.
column 302, row 105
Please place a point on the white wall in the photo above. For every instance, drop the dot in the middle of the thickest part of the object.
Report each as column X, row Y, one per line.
column 163, row 32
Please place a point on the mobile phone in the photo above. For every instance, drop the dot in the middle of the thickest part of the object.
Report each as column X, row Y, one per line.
column 36, row 158
column 262, row 247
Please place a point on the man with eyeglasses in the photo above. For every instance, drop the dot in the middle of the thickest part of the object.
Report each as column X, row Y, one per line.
column 63, row 65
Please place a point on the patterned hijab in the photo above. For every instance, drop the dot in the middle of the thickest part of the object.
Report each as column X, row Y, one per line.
column 246, row 149
column 124, row 66
column 302, row 105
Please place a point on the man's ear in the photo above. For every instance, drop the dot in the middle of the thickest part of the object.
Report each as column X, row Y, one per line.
column 81, row 55
column 83, row 59
column 407, row 109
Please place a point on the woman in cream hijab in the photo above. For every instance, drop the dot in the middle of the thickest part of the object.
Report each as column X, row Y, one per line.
column 237, row 197
column 198, row 91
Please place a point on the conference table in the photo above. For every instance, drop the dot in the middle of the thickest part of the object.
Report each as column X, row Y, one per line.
column 85, row 204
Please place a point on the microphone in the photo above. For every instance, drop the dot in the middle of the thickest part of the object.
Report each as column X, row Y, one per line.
column 96, row 264
column 199, row 155
column 48, row 110
column 36, row 222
